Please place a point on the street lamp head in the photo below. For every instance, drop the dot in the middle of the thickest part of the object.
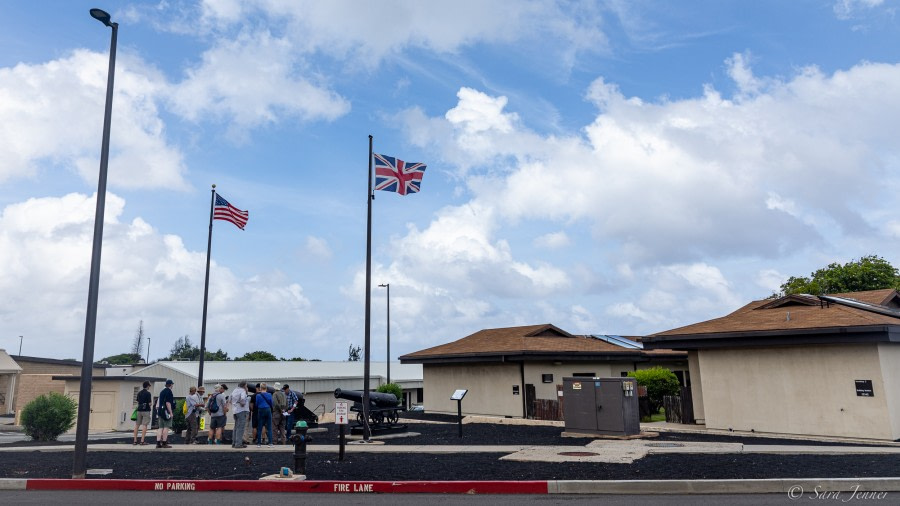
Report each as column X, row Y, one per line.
column 385, row 285
column 101, row 16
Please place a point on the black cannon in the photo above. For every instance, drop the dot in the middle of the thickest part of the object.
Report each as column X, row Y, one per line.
column 382, row 406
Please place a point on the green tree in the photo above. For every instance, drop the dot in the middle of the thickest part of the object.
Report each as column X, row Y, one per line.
column 353, row 353
column 137, row 346
column 868, row 273
column 184, row 349
column 258, row 356
column 121, row 358
column 659, row 382
column 295, row 359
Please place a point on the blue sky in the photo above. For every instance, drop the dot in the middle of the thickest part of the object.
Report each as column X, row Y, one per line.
column 609, row 167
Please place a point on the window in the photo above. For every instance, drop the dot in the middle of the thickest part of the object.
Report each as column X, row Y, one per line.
column 623, row 374
column 546, row 378
column 584, row 374
column 419, row 396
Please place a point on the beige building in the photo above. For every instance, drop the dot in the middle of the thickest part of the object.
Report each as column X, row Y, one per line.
column 113, row 398
column 814, row 365
column 506, row 370
column 9, row 374
column 36, row 377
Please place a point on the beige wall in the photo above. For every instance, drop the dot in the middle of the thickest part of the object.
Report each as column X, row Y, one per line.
column 797, row 390
column 30, row 386
column 889, row 355
column 696, row 387
column 489, row 385
column 111, row 403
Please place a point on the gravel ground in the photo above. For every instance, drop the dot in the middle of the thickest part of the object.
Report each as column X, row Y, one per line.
column 160, row 464
column 442, row 467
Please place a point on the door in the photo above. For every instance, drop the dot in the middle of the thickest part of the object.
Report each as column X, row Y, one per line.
column 530, row 395
column 609, row 406
column 579, row 409
column 102, row 409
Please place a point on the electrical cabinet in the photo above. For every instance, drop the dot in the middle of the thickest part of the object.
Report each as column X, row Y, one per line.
column 602, row 406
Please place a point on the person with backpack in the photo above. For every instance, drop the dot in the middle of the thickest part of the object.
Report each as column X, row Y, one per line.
column 144, row 413
column 166, row 411
column 218, row 409
column 241, row 411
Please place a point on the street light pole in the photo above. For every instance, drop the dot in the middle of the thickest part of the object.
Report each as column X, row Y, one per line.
column 20, row 345
column 148, row 352
column 388, row 286
column 90, row 326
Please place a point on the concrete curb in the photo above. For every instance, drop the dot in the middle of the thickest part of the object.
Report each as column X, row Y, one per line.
column 793, row 488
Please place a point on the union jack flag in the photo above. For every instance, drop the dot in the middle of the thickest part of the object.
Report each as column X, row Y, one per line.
column 395, row 175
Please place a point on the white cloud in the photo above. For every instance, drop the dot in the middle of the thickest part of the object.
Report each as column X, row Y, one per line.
column 46, row 244
column 786, row 164
column 317, row 248
column 253, row 80
column 52, row 113
column 554, row 240
column 846, row 9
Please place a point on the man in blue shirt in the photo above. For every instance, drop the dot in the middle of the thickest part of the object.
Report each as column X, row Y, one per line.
column 166, row 415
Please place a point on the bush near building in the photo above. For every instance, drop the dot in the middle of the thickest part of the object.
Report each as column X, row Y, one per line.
column 48, row 416
column 659, row 382
column 391, row 388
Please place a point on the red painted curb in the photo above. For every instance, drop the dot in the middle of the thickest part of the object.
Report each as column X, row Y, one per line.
column 340, row 487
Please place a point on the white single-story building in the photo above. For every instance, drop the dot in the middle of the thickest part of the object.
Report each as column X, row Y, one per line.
column 825, row 365
column 507, row 370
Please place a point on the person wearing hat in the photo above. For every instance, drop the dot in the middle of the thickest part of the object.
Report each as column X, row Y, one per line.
column 166, row 415
column 279, row 401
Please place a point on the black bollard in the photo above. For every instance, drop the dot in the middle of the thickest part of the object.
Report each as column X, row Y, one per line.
column 300, row 438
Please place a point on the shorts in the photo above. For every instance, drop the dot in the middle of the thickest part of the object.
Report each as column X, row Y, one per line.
column 143, row 418
column 165, row 424
column 217, row 422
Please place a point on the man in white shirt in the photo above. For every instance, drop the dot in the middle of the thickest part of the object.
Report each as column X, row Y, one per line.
column 241, row 409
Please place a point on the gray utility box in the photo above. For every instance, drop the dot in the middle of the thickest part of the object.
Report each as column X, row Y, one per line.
column 603, row 406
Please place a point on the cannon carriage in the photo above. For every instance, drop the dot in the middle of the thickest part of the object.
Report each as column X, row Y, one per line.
column 383, row 407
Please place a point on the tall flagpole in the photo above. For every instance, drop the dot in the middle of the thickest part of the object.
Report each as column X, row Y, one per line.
column 212, row 203
column 365, row 401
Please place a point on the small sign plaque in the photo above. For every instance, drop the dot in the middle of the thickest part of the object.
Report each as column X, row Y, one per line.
column 576, row 386
column 341, row 412
column 864, row 388
column 458, row 395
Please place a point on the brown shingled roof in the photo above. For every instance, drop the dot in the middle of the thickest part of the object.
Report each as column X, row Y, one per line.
column 545, row 339
column 768, row 315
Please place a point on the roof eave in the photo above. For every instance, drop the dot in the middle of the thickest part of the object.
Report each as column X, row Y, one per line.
column 784, row 337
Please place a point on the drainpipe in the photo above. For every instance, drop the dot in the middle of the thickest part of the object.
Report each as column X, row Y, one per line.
column 522, row 390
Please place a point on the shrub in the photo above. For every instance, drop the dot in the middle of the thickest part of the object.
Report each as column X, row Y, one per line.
column 391, row 388
column 48, row 416
column 659, row 382
column 178, row 421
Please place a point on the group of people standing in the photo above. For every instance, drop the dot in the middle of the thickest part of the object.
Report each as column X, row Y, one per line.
column 269, row 409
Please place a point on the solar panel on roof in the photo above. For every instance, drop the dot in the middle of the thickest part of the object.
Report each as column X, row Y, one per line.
column 624, row 342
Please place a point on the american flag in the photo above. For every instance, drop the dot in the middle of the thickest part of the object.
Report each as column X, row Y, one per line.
column 225, row 211
column 395, row 175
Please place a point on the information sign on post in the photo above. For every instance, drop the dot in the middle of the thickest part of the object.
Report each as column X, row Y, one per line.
column 458, row 397
column 341, row 414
